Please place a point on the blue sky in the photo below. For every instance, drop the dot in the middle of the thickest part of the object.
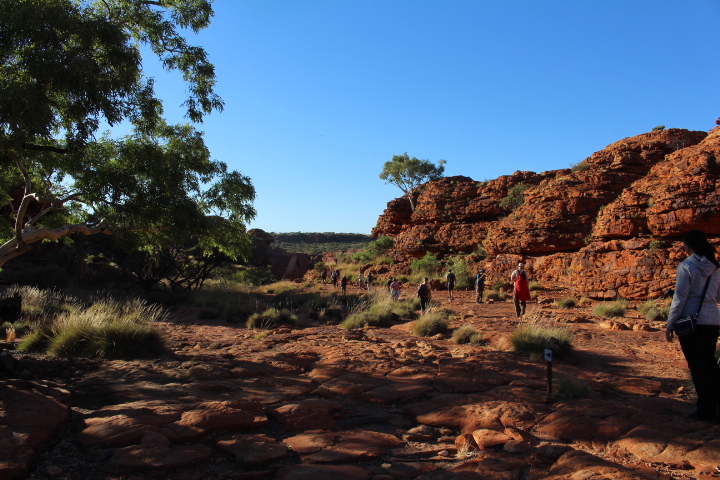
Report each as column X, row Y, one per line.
column 320, row 93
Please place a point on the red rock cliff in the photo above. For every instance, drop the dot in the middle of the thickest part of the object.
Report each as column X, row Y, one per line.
column 610, row 228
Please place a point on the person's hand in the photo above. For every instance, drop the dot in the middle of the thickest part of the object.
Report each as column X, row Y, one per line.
column 669, row 335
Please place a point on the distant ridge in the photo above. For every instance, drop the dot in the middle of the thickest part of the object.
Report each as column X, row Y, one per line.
column 315, row 242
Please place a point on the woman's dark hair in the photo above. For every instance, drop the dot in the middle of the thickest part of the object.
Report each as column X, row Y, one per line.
column 696, row 240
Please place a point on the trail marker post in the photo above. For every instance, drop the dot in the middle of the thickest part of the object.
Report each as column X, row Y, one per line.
column 548, row 359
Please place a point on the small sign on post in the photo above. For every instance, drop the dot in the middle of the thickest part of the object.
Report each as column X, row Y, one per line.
column 548, row 359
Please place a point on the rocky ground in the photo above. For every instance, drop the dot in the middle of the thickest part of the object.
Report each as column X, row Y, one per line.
column 320, row 402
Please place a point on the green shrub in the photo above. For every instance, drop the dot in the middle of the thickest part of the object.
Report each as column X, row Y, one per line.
column 278, row 288
column 515, row 197
column 567, row 388
column 106, row 329
column 568, row 302
column 580, row 166
column 584, row 301
column 255, row 276
column 659, row 128
column 501, row 285
column 494, row 295
column 611, row 309
column 271, row 318
column 468, row 335
column 532, row 340
column 464, row 279
column 429, row 264
column 432, row 323
column 534, row 285
column 654, row 311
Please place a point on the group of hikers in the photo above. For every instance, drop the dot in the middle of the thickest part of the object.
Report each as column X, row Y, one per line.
column 519, row 278
column 694, row 315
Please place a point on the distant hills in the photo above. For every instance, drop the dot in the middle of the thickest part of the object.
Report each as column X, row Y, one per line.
column 315, row 242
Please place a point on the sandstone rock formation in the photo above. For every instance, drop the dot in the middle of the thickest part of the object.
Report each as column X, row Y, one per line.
column 609, row 227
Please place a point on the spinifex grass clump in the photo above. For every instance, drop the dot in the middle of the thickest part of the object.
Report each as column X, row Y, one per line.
column 468, row 335
column 532, row 341
column 655, row 311
column 432, row 323
column 568, row 388
column 611, row 309
column 272, row 318
column 40, row 304
column 106, row 329
column 379, row 310
column 568, row 302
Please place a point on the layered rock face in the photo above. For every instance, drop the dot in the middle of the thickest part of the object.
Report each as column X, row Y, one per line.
column 608, row 228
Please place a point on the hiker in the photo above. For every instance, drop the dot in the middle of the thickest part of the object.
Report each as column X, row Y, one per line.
column 450, row 279
column 424, row 293
column 334, row 276
column 697, row 293
column 389, row 284
column 395, row 287
column 369, row 281
column 343, row 285
column 361, row 280
column 323, row 275
column 521, row 289
column 480, row 285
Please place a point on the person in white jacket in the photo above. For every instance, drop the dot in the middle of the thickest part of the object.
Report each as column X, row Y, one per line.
column 699, row 346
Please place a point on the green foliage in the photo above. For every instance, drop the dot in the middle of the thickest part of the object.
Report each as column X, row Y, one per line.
column 515, row 197
column 464, row 278
column 315, row 243
column 659, row 128
column 432, row 323
column 495, row 295
column 428, row 265
column 501, row 285
column 71, row 65
column 377, row 248
column 532, row 340
column 409, row 173
column 106, row 329
column 611, row 309
column 655, row 245
column 568, row 302
column 272, row 318
column 655, row 311
column 534, row 285
column 580, row 166
column 568, row 388
column 254, row 276
column 468, row 335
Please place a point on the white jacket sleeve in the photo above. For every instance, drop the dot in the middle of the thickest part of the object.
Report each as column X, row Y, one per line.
column 682, row 289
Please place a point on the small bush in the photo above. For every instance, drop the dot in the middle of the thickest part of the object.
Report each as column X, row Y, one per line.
column 271, row 318
column 532, row 340
column 106, row 329
column 611, row 309
column 659, row 128
column 501, row 285
column 494, row 295
column 534, row 285
column 468, row 335
column 429, row 264
column 569, row 388
column 431, row 324
column 278, row 288
column 580, row 166
column 567, row 303
column 655, row 311
column 515, row 197
column 584, row 301
column 255, row 276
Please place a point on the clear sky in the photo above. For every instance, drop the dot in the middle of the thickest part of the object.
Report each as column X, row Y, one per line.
column 320, row 93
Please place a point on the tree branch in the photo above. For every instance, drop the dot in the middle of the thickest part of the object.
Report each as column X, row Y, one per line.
column 13, row 248
column 44, row 148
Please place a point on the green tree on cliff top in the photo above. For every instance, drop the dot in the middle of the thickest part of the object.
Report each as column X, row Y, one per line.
column 409, row 173
column 67, row 67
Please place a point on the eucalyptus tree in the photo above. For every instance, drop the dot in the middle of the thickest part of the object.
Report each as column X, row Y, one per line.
column 68, row 66
column 409, row 173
